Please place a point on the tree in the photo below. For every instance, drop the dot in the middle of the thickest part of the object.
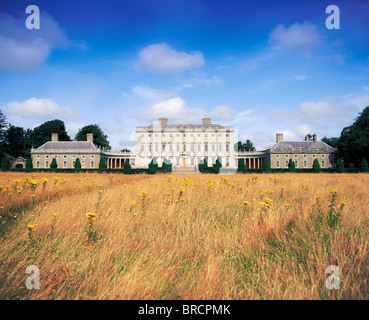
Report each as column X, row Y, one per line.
column 364, row 165
column 54, row 165
column 77, row 165
column 3, row 125
column 333, row 142
column 340, row 167
column 14, row 141
column 291, row 166
column 267, row 167
column 29, row 165
column 100, row 139
column 4, row 163
column 127, row 167
column 42, row 133
column 353, row 144
column 102, row 165
column 203, row 165
column 241, row 166
column 167, row 165
column 125, row 150
column 217, row 165
column 153, row 166
column 247, row 146
column 316, row 166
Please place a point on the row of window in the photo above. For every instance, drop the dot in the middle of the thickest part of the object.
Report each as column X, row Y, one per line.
column 295, row 156
column 64, row 157
column 47, row 165
column 183, row 135
column 184, row 148
column 296, row 164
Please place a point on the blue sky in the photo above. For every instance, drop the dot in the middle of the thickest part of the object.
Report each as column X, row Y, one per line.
column 263, row 67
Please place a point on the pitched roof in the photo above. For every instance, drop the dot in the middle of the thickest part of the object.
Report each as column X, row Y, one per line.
column 301, row 145
column 63, row 145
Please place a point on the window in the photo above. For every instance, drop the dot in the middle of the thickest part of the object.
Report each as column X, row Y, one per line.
column 227, row 147
column 305, row 164
column 177, row 147
column 206, row 148
column 171, row 147
column 56, row 157
column 92, row 165
column 220, row 148
column 177, row 161
column 286, row 155
column 65, row 157
column 142, row 148
column 213, row 147
column 83, row 157
column 38, row 164
column 64, row 164
column 191, row 161
column 83, row 164
column 46, row 164
column 191, row 147
column 74, row 164
column 295, row 155
column 296, row 164
column 313, row 155
column 199, row 147
column 323, row 163
column 163, row 148
column 156, row 148
column 74, row 156
column 149, row 148
column 277, row 163
column 38, row 157
column 286, row 164
column 304, row 155
column 92, row 157
column 47, row 157
column 277, row 156
column 322, row 155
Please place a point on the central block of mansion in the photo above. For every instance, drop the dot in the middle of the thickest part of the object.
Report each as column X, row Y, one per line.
column 185, row 146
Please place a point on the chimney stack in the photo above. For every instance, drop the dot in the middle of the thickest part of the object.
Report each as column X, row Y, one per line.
column 279, row 137
column 306, row 138
column 314, row 137
column 163, row 121
column 90, row 137
column 55, row 137
column 206, row 121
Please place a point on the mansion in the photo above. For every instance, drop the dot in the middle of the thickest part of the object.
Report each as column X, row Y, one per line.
column 185, row 146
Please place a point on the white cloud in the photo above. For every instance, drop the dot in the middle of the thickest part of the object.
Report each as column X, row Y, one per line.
column 298, row 37
column 161, row 58
column 222, row 113
column 300, row 77
column 175, row 109
column 280, row 115
column 152, row 94
column 23, row 50
column 41, row 109
column 334, row 108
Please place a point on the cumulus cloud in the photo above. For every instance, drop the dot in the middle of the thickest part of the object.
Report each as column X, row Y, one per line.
column 161, row 58
column 334, row 108
column 41, row 109
column 175, row 109
column 23, row 50
column 222, row 113
column 297, row 37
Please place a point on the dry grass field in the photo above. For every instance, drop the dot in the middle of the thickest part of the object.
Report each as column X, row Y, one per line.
column 243, row 236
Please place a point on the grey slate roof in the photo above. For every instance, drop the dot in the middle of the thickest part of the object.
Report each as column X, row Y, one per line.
column 55, row 145
column 301, row 145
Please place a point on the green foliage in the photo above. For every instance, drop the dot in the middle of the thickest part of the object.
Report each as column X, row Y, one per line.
column 127, row 167
column 13, row 142
column 100, row 139
column 153, row 166
column 29, row 165
column 364, row 165
column 167, row 165
column 246, row 146
column 102, row 165
column 353, row 143
column 241, row 166
column 291, row 166
column 53, row 165
column 42, row 133
column 77, row 165
column 203, row 165
column 217, row 165
column 316, row 166
column 4, row 164
column 333, row 142
column 340, row 167
column 267, row 167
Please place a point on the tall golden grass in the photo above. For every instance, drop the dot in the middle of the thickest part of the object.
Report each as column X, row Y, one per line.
column 184, row 237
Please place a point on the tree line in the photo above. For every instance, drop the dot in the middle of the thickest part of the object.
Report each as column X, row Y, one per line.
column 16, row 141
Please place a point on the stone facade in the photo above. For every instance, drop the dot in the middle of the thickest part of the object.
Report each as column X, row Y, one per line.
column 185, row 146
